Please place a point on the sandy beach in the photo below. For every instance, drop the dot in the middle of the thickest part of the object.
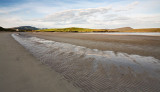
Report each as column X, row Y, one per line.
column 97, row 62
column 21, row 72
column 71, row 62
column 79, row 46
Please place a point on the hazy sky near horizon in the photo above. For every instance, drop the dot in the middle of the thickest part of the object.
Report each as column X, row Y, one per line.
column 80, row 13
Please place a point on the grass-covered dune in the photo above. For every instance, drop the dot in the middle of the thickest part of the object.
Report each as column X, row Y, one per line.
column 144, row 30
column 72, row 29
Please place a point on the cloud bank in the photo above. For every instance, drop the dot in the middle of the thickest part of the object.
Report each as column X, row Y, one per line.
column 110, row 16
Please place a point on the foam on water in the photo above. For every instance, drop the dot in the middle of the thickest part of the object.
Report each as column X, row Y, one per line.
column 82, row 65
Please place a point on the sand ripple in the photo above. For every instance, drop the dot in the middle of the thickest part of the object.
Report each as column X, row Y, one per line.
column 94, row 70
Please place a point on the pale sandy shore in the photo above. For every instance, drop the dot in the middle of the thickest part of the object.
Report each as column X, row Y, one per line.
column 21, row 72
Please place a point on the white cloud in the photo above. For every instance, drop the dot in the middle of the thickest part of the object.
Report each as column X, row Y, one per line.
column 127, row 7
column 75, row 15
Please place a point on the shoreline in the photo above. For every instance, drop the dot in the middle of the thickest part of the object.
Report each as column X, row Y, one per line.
column 128, row 33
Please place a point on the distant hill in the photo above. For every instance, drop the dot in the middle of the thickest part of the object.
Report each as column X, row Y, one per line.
column 25, row 28
column 2, row 29
column 129, row 29
column 121, row 29
column 20, row 29
column 5, row 29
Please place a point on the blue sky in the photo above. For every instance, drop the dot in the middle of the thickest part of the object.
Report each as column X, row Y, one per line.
column 80, row 13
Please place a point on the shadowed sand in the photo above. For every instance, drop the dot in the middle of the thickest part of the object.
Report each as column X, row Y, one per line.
column 21, row 72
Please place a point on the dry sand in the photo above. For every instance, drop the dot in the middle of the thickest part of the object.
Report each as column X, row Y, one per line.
column 21, row 72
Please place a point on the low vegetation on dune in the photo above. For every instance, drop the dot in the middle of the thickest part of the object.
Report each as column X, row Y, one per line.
column 128, row 29
column 72, row 29
column 144, row 30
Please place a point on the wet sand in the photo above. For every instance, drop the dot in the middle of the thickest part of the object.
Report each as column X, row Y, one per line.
column 99, row 63
column 21, row 72
column 131, row 44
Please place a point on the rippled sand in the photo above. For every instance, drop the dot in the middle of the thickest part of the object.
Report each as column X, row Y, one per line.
column 95, row 70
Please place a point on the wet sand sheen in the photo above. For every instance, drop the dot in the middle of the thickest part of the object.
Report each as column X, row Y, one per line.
column 94, row 70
